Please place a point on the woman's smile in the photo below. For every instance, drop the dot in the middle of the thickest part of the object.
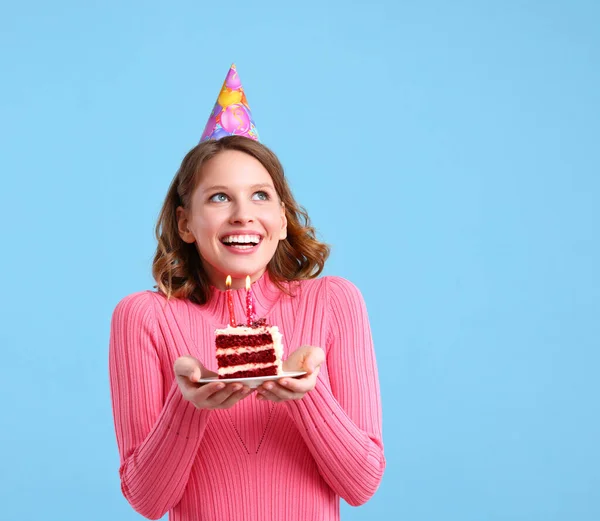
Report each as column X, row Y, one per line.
column 243, row 242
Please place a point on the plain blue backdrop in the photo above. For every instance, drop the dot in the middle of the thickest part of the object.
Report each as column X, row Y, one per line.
column 448, row 151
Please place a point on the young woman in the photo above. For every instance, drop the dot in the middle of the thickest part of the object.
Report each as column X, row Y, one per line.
column 220, row 451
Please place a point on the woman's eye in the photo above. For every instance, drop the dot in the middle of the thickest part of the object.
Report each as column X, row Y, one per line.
column 261, row 196
column 219, row 198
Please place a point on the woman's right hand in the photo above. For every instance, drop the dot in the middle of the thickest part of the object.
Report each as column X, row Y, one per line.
column 213, row 395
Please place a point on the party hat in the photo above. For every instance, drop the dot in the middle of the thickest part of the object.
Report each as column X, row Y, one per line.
column 231, row 114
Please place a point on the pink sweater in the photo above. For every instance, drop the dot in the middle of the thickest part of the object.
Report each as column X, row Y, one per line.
column 258, row 460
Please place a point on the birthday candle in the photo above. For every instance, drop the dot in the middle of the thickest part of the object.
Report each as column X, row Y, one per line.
column 254, row 318
column 250, row 307
column 230, row 301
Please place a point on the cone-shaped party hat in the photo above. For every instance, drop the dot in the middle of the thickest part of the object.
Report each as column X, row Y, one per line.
column 231, row 114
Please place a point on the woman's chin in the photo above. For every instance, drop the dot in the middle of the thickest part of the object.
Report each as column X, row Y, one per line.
column 239, row 271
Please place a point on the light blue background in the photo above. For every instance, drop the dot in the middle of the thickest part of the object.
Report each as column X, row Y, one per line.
column 449, row 151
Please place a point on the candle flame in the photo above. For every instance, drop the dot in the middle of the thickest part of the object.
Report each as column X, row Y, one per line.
column 247, row 282
column 228, row 281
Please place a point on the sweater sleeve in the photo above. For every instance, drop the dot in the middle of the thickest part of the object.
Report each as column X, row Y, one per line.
column 342, row 426
column 158, row 432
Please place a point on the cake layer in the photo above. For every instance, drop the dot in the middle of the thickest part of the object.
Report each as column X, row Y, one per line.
column 224, row 341
column 265, row 371
column 260, row 357
column 238, row 350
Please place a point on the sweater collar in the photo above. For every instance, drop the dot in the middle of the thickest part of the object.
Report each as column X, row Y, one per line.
column 266, row 295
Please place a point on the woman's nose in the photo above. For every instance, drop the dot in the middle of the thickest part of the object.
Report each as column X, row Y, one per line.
column 241, row 213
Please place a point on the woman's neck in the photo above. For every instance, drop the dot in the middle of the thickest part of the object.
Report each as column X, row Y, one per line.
column 266, row 294
column 218, row 281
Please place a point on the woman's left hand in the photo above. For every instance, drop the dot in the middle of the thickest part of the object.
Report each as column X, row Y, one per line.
column 305, row 358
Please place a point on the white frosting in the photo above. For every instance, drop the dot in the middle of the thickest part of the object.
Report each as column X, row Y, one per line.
column 243, row 349
column 245, row 330
column 278, row 347
column 245, row 367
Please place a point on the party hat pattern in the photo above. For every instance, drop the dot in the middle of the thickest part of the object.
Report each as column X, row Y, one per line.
column 231, row 115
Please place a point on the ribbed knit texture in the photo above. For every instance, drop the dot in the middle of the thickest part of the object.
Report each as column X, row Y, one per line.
column 259, row 460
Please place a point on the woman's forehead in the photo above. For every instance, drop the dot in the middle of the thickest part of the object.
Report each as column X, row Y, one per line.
column 233, row 169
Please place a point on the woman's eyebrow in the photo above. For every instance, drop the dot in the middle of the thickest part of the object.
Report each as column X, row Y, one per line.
column 216, row 187
column 225, row 188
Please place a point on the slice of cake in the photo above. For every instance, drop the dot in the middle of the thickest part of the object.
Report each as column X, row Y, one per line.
column 248, row 351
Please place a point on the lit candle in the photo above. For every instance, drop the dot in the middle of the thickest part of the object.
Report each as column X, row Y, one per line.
column 230, row 302
column 250, row 308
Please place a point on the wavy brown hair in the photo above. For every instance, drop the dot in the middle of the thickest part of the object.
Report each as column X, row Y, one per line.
column 177, row 267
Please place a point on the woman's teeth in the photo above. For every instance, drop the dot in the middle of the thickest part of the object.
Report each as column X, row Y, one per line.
column 241, row 242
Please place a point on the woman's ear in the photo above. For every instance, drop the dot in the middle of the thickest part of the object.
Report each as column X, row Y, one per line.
column 182, row 226
column 283, row 232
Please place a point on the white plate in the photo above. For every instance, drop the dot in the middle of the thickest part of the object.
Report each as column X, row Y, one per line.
column 253, row 381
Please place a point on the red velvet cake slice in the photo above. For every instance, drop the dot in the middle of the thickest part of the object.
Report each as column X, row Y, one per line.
column 248, row 351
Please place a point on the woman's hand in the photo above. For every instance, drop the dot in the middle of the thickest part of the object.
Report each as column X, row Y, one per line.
column 213, row 395
column 305, row 358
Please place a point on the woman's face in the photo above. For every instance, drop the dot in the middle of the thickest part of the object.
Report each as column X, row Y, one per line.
column 235, row 218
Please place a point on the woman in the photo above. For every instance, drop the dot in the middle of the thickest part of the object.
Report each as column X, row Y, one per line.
column 218, row 451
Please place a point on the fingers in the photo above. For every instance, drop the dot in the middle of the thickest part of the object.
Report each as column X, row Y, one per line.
column 287, row 388
column 191, row 368
column 234, row 398
column 273, row 395
column 306, row 358
column 188, row 367
column 314, row 359
column 300, row 385
column 217, row 395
